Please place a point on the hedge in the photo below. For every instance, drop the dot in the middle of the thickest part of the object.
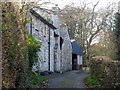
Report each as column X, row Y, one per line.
column 106, row 71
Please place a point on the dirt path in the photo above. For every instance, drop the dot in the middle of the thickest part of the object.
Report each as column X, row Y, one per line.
column 72, row 79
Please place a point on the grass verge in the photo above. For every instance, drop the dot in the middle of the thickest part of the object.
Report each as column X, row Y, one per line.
column 36, row 81
column 92, row 83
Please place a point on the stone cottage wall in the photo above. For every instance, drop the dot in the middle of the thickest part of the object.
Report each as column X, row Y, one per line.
column 56, row 23
column 66, row 51
column 41, row 32
column 52, row 44
column 58, row 56
column 66, row 56
column 59, row 59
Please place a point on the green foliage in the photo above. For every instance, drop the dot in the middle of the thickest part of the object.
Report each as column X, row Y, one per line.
column 27, row 21
column 106, row 72
column 91, row 82
column 36, row 81
column 105, row 47
column 33, row 48
column 117, row 33
column 117, row 24
column 14, row 47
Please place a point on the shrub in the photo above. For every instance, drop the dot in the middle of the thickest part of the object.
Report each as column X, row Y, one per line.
column 33, row 48
column 36, row 81
column 106, row 71
column 14, row 47
column 91, row 82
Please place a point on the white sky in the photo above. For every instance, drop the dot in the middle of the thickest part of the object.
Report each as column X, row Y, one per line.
column 102, row 3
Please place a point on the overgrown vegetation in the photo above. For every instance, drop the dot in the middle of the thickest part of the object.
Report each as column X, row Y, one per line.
column 33, row 48
column 105, row 47
column 91, row 82
column 36, row 81
column 105, row 71
column 117, row 33
column 14, row 47
column 18, row 50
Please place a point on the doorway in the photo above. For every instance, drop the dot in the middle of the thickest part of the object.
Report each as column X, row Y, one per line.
column 74, row 61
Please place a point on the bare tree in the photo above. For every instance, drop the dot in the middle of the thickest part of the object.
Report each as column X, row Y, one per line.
column 84, row 24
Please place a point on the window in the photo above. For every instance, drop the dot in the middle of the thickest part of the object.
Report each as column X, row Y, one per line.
column 36, row 30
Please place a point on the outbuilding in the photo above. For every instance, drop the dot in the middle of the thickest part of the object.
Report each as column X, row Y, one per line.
column 77, row 60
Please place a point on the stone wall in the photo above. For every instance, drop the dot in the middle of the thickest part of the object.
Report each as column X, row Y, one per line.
column 52, row 44
column 41, row 32
column 106, row 71
column 66, row 51
column 56, row 23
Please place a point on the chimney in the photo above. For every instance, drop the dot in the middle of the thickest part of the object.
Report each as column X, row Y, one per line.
column 56, row 18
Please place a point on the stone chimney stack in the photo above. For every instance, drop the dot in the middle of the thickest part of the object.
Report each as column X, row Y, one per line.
column 56, row 18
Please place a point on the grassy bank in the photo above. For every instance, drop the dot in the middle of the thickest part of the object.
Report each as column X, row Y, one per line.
column 92, row 83
column 36, row 81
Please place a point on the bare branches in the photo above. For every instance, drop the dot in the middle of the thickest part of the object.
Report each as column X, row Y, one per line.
column 89, row 22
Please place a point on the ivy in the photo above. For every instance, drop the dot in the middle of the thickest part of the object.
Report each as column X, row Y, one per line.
column 27, row 21
column 33, row 48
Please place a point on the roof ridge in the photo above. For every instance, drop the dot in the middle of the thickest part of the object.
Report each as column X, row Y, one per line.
column 33, row 12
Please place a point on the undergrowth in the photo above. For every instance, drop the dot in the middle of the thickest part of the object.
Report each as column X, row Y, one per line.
column 36, row 81
column 33, row 48
column 92, row 83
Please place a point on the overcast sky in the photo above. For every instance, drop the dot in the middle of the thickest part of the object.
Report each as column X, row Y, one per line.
column 102, row 3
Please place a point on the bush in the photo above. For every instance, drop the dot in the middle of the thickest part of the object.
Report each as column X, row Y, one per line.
column 91, row 82
column 106, row 71
column 14, row 47
column 36, row 81
column 33, row 48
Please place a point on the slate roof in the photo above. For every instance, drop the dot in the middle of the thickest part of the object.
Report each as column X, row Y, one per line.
column 76, row 48
column 33, row 12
